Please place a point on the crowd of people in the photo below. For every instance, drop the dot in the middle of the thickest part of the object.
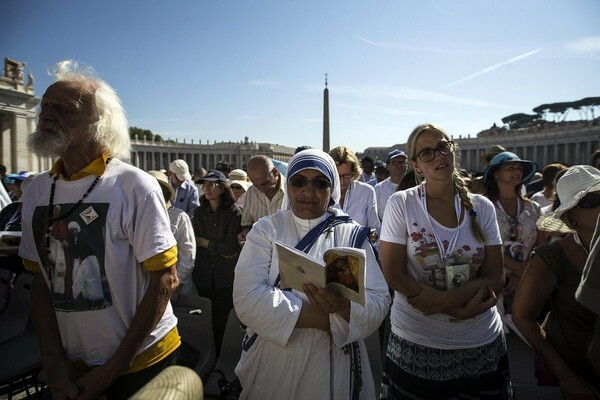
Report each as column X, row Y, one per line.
column 452, row 262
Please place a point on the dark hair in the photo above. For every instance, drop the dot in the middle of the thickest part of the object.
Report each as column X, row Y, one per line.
column 223, row 166
column 167, row 194
column 227, row 198
column 549, row 173
column 409, row 179
column 595, row 156
column 367, row 159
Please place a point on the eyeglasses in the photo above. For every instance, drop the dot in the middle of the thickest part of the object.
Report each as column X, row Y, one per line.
column 299, row 181
column 210, row 185
column 444, row 148
column 514, row 224
column 236, row 187
column 346, row 176
column 590, row 200
column 397, row 163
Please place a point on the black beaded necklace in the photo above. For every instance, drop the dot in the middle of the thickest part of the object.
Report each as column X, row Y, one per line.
column 51, row 218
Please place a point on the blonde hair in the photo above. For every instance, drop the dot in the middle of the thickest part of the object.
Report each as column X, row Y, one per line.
column 343, row 155
column 459, row 184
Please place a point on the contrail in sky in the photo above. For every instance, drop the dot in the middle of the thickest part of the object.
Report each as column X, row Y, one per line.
column 490, row 69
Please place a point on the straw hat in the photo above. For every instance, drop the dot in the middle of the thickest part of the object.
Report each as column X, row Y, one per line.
column 529, row 167
column 578, row 181
column 239, row 177
column 162, row 180
column 493, row 151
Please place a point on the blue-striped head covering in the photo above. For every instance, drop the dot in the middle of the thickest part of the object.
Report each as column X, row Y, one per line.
column 322, row 162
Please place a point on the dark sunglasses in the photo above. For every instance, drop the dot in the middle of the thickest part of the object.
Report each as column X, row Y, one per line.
column 590, row 200
column 299, row 181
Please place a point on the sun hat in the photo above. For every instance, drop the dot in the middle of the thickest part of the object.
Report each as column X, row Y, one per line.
column 578, row 181
column 529, row 167
column 239, row 177
column 213, row 176
column 395, row 153
column 493, row 151
column 162, row 180
column 181, row 170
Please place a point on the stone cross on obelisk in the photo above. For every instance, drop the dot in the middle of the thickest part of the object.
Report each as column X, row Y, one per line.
column 326, row 117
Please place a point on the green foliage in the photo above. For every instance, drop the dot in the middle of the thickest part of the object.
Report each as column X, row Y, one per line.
column 143, row 134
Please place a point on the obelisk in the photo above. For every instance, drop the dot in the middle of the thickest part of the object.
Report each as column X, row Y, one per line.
column 326, row 117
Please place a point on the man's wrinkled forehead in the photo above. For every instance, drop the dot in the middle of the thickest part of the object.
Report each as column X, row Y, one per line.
column 77, row 92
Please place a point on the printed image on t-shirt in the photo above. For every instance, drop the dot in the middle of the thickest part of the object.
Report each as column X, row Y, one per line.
column 72, row 255
column 435, row 271
column 514, row 250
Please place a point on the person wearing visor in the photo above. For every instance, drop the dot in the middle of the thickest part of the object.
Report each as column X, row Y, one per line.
column 553, row 275
column 305, row 346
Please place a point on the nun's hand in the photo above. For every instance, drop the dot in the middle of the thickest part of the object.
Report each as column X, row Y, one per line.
column 328, row 301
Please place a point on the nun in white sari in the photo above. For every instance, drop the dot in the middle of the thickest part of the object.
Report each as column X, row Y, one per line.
column 309, row 346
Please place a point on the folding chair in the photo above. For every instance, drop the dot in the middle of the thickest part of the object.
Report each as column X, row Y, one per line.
column 194, row 315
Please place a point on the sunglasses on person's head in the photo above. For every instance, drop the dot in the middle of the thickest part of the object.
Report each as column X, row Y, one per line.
column 300, row 181
column 590, row 200
column 444, row 148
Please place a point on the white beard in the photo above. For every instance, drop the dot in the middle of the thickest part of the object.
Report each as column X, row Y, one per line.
column 49, row 144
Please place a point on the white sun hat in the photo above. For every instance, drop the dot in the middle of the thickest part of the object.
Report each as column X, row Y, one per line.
column 578, row 181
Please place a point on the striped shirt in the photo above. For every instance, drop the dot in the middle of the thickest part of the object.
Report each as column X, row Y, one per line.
column 257, row 204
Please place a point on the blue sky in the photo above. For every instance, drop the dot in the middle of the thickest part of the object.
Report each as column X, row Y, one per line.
column 223, row 70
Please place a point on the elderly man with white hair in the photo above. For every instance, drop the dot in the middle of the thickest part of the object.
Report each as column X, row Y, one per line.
column 110, row 343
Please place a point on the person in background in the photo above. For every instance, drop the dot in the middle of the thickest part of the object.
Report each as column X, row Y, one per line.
column 446, row 339
column 216, row 226
column 381, row 174
column 516, row 215
column 266, row 196
column 224, row 167
column 13, row 183
column 368, row 166
column 357, row 199
column 553, row 275
column 181, row 227
column 10, row 216
column 112, row 347
column 198, row 174
column 396, row 164
column 596, row 159
column 239, row 184
column 545, row 197
column 297, row 345
column 186, row 193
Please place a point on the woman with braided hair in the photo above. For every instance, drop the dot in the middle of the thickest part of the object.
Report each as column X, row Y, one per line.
column 441, row 254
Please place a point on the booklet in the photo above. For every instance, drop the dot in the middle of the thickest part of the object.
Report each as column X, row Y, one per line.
column 342, row 270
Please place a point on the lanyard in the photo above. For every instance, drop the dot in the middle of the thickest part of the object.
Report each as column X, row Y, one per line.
column 444, row 254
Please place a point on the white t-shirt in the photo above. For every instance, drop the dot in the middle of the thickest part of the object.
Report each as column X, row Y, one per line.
column 383, row 191
column 125, row 221
column 405, row 223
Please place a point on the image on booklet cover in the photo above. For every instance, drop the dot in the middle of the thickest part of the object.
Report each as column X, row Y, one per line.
column 73, row 255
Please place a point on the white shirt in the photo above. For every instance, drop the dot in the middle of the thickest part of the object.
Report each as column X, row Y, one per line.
column 289, row 363
column 405, row 223
column 361, row 205
column 383, row 191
